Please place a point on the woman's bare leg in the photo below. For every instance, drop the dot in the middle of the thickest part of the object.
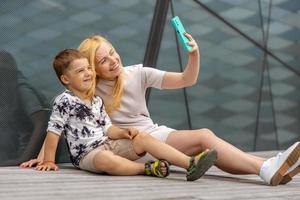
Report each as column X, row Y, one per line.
column 230, row 158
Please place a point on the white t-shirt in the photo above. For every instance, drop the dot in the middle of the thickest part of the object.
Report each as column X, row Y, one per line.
column 133, row 111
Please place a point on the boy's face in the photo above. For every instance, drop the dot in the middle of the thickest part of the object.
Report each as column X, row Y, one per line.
column 108, row 62
column 79, row 76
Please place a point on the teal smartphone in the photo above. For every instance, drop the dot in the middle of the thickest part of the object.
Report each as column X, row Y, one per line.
column 176, row 23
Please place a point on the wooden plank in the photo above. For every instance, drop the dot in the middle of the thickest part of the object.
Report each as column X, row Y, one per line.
column 69, row 183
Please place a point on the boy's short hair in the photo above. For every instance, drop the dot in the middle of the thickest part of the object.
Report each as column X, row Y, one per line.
column 63, row 60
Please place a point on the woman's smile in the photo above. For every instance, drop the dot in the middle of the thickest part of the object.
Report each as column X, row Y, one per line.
column 115, row 67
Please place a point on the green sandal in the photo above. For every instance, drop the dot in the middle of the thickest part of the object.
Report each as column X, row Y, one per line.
column 200, row 164
column 153, row 168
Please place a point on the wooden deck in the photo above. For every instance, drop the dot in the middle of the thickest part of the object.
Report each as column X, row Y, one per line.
column 69, row 183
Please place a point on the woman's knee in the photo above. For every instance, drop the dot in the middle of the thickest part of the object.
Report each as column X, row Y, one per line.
column 204, row 134
column 207, row 131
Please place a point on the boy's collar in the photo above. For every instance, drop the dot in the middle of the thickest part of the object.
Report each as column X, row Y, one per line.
column 72, row 93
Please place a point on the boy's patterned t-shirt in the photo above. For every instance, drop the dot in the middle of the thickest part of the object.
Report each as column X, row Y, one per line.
column 84, row 127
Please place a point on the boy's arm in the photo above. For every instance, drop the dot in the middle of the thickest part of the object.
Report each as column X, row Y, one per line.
column 50, row 144
column 40, row 157
column 115, row 133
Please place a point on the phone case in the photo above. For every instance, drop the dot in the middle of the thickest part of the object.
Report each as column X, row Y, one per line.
column 176, row 23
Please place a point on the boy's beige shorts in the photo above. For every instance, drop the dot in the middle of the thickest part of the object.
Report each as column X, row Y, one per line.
column 121, row 147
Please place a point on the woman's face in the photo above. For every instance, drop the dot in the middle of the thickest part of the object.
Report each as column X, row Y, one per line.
column 108, row 62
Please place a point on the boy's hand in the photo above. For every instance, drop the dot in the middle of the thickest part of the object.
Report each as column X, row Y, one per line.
column 47, row 166
column 130, row 133
column 31, row 163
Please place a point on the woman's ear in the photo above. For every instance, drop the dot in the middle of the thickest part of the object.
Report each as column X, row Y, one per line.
column 64, row 79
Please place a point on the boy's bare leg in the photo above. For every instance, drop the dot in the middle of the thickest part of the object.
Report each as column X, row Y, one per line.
column 146, row 143
column 116, row 165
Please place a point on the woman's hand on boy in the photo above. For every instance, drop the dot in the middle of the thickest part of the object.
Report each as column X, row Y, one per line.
column 47, row 166
column 31, row 163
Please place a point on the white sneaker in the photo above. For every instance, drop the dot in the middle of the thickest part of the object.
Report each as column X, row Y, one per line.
column 274, row 169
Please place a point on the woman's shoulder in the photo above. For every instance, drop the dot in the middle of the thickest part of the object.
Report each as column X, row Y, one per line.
column 133, row 71
column 139, row 68
column 132, row 68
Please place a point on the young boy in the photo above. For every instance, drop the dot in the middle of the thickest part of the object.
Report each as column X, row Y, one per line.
column 94, row 143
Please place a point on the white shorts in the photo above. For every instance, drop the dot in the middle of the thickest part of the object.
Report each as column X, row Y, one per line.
column 159, row 132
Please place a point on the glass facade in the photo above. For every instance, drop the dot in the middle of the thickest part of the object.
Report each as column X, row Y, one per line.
column 245, row 97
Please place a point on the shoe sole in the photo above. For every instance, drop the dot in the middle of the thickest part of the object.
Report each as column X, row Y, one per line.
column 287, row 178
column 291, row 160
column 203, row 165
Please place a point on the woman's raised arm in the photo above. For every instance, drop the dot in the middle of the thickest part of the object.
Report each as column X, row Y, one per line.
column 189, row 77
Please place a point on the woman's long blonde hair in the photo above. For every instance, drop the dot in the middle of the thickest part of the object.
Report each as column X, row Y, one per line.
column 88, row 48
